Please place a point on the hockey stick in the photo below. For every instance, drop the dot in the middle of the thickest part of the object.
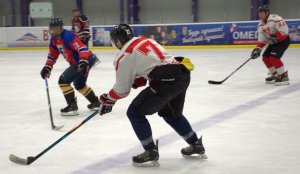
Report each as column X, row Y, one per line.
column 220, row 82
column 31, row 159
column 50, row 109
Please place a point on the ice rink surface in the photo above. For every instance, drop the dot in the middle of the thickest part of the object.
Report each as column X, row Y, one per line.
column 248, row 126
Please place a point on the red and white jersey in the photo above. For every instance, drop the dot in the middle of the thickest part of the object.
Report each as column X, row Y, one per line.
column 137, row 58
column 81, row 26
column 275, row 25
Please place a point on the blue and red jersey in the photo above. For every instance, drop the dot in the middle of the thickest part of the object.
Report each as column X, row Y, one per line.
column 70, row 46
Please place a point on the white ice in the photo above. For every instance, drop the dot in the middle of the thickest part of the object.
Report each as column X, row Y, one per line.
column 248, row 126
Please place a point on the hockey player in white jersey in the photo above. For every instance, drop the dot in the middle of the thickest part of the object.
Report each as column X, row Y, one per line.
column 141, row 60
column 272, row 30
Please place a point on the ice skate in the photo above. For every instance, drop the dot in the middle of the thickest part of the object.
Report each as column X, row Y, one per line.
column 70, row 110
column 93, row 106
column 271, row 79
column 195, row 150
column 149, row 158
column 282, row 79
column 96, row 60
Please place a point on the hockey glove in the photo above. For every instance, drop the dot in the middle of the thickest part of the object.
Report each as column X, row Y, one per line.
column 83, row 66
column 139, row 82
column 256, row 52
column 46, row 71
column 273, row 39
column 106, row 103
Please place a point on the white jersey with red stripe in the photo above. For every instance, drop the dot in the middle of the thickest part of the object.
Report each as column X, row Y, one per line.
column 275, row 25
column 137, row 58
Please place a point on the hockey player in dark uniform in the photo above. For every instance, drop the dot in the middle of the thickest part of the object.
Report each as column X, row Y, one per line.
column 141, row 59
column 79, row 57
column 272, row 30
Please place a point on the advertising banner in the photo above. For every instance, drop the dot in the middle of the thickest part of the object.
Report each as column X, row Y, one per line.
column 28, row 37
column 229, row 33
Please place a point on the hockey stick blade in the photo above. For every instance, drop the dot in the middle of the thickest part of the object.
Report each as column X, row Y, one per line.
column 58, row 127
column 15, row 159
column 215, row 82
column 220, row 82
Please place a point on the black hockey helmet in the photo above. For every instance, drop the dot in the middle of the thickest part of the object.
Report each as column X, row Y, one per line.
column 121, row 32
column 56, row 21
column 264, row 8
column 75, row 9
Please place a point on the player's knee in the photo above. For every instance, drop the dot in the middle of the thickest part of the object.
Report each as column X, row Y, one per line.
column 133, row 115
column 62, row 81
column 79, row 87
column 170, row 119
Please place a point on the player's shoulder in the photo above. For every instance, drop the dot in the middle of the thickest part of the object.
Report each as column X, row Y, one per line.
column 274, row 18
column 67, row 34
column 83, row 17
column 133, row 44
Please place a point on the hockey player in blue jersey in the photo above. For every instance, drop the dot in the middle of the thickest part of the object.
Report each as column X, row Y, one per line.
column 79, row 57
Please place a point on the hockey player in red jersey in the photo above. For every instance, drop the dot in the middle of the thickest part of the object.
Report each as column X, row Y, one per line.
column 79, row 57
column 141, row 60
column 81, row 26
column 272, row 30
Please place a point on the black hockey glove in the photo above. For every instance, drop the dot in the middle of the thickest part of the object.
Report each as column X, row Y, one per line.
column 46, row 71
column 106, row 104
column 256, row 52
column 83, row 66
column 273, row 39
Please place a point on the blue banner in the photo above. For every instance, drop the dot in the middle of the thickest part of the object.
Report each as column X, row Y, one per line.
column 234, row 33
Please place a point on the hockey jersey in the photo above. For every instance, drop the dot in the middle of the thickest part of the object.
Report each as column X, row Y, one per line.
column 81, row 26
column 70, row 46
column 137, row 58
column 275, row 25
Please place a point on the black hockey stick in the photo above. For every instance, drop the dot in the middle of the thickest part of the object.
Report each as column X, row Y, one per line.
column 31, row 159
column 220, row 82
column 50, row 109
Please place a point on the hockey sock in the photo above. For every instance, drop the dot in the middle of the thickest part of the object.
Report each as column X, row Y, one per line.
column 141, row 128
column 88, row 93
column 182, row 126
column 68, row 92
column 277, row 63
column 269, row 65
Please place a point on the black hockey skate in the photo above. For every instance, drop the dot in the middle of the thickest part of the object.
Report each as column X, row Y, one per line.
column 282, row 79
column 195, row 150
column 70, row 110
column 271, row 79
column 149, row 158
column 96, row 60
column 94, row 106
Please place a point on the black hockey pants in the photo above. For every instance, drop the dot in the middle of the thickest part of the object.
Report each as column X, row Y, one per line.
column 166, row 93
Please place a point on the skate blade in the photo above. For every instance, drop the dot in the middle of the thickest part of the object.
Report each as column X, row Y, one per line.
column 282, row 83
column 72, row 113
column 147, row 164
column 196, row 156
column 270, row 82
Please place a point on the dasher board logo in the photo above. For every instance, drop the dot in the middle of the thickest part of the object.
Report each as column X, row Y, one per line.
column 29, row 37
